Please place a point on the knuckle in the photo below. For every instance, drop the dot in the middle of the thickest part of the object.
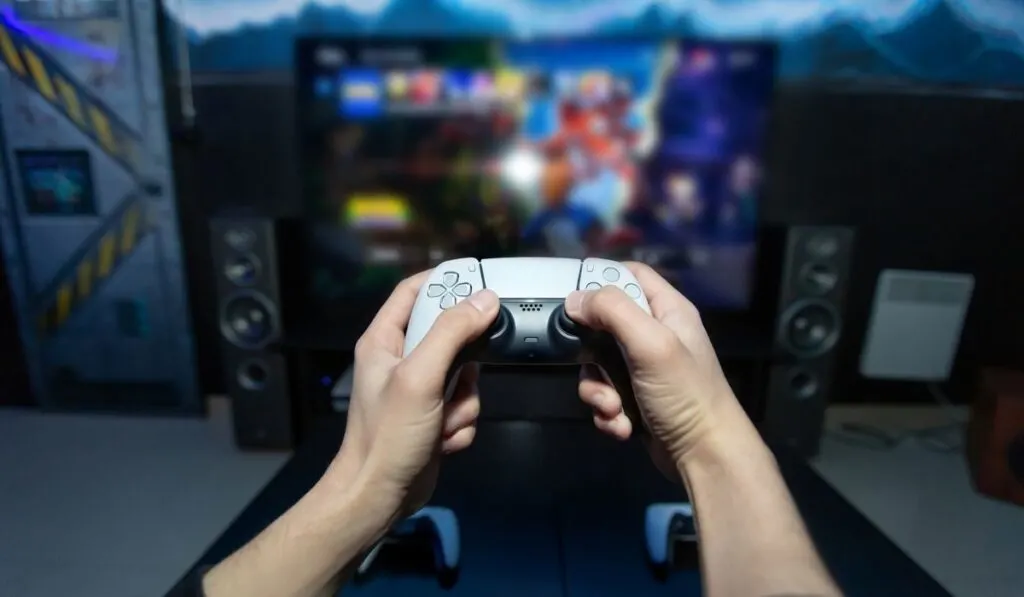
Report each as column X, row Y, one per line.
column 682, row 315
column 664, row 346
column 363, row 347
column 691, row 314
column 403, row 379
column 412, row 283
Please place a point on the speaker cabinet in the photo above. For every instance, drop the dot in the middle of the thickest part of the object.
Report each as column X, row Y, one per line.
column 815, row 275
column 995, row 436
column 249, row 314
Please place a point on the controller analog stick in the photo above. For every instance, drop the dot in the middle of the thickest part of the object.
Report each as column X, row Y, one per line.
column 564, row 323
column 501, row 326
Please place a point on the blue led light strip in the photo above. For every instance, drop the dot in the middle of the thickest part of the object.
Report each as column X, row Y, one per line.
column 61, row 42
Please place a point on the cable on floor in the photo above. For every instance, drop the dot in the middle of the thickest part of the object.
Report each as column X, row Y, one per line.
column 946, row 438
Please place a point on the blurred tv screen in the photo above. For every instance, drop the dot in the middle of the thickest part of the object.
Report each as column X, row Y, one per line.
column 414, row 152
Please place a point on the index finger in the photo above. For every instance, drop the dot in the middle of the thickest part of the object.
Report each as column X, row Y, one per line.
column 388, row 327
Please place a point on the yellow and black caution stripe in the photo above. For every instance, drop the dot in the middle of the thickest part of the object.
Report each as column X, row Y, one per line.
column 95, row 261
column 30, row 63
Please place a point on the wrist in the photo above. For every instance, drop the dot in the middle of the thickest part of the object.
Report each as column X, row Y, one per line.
column 731, row 438
column 352, row 504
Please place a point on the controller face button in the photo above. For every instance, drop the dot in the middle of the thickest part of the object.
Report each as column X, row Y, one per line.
column 593, row 286
column 450, row 279
column 611, row 274
column 463, row 290
column 448, row 301
column 633, row 291
column 435, row 290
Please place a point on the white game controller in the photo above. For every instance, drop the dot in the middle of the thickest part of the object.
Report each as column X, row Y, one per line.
column 531, row 289
column 664, row 525
column 442, row 528
column 531, row 327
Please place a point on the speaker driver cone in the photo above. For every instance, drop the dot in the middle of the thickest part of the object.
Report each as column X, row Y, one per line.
column 809, row 328
column 252, row 375
column 803, row 384
column 243, row 270
column 818, row 278
column 248, row 320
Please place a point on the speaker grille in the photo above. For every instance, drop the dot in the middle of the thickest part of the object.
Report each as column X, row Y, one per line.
column 530, row 307
column 811, row 303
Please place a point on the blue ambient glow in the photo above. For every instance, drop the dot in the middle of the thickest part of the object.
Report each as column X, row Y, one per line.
column 50, row 38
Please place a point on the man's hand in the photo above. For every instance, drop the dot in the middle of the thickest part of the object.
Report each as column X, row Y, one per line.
column 398, row 421
column 398, row 425
column 752, row 540
column 679, row 385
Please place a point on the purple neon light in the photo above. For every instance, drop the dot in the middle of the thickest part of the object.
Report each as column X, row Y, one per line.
column 50, row 38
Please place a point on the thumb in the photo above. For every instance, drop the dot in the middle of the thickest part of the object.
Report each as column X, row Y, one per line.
column 643, row 338
column 451, row 332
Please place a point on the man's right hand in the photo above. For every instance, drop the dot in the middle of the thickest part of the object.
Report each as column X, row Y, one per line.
column 680, row 389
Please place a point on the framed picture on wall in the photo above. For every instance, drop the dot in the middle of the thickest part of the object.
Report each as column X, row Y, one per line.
column 45, row 10
column 56, row 182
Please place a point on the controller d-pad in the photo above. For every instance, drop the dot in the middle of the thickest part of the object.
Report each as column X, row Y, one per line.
column 450, row 290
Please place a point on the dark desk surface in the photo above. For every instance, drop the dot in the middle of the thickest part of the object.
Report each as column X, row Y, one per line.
column 549, row 509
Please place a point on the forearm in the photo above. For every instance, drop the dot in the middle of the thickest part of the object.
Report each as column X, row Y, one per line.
column 752, row 539
column 307, row 551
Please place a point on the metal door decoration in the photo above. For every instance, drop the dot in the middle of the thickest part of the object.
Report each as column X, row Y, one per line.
column 89, row 224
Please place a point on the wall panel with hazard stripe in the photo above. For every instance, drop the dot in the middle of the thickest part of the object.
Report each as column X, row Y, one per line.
column 89, row 225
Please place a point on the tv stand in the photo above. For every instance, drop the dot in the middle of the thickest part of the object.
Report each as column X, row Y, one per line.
column 319, row 352
column 733, row 337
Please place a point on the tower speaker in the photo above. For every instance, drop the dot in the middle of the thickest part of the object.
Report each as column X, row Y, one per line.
column 995, row 436
column 249, row 314
column 815, row 276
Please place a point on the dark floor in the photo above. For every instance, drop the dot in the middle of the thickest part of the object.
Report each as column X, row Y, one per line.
column 121, row 507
